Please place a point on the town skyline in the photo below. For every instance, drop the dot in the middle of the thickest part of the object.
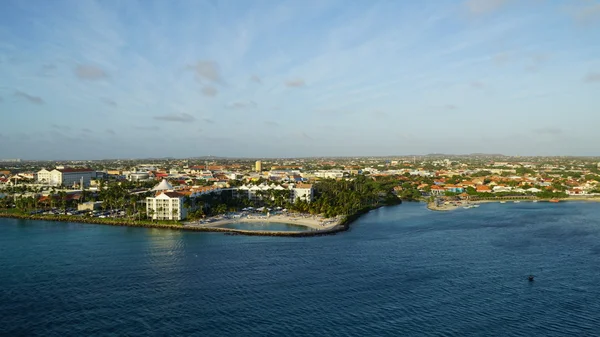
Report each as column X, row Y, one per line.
column 102, row 79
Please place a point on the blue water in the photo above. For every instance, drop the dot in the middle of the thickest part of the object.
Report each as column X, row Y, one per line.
column 267, row 226
column 399, row 271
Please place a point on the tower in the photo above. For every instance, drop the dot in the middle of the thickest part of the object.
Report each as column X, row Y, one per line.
column 258, row 166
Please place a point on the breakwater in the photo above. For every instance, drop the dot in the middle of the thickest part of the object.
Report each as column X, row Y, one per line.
column 343, row 226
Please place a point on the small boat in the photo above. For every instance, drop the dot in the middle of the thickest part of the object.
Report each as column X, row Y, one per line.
column 554, row 200
column 530, row 278
column 467, row 207
column 476, row 206
column 535, row 201
column 503, row 202
column 516, row 201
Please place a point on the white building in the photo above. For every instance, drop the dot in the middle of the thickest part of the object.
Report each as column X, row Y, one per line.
column 302, row 192
column 296, row 192
column 65, row 176
column 138, row 176
column 329, row 174
column 166, row 206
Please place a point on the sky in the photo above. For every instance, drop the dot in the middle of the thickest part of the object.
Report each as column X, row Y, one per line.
column 135, row 79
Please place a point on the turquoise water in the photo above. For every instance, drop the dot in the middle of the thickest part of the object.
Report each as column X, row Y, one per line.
column 267, row 226
column 399, row 271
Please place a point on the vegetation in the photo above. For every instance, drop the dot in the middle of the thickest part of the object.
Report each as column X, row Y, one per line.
column 331, row 198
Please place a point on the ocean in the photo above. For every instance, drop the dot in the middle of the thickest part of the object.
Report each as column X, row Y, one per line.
column 399, row 271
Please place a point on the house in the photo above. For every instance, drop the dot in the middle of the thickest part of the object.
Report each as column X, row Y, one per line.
column 483, row 189
column 466, row 184
column 501, row 188
column 454, row 189
column 576, row 192
column 437, row 190
column 422, row 187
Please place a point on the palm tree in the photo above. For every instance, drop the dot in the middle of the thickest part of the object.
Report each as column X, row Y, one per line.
column 160, row 210
column 63, row 200
column 187, row 202
column 151, row 214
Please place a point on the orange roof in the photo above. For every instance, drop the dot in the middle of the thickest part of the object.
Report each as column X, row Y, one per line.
column 303, row 186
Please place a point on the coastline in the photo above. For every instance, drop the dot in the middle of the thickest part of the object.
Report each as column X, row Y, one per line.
column 458, row 204
column 313, row 222
column 340, row 226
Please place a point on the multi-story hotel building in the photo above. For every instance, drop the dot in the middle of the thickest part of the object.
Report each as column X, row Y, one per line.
column 166, row 206
column 302, row 192
column 66, row 176
column 296, row 192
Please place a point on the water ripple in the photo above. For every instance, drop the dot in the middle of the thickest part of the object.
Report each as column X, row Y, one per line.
column 399, row 271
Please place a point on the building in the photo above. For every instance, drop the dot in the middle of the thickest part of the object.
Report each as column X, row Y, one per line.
column 66, row 176
column 437, row 190
column 302, row 192
column 163, row 186
column 258, row 166
column 483, row 189
column 89, row 206
column 166, row 206
column 330, row 174
column 138, row 176
column 292, row 192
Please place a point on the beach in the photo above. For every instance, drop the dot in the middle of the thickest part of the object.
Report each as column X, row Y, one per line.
column 311, row 221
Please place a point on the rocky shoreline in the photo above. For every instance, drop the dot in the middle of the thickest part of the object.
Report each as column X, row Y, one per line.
column 450, row 207
column 341, row 227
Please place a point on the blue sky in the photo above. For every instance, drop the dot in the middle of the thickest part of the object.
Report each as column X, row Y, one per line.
column 130, row 79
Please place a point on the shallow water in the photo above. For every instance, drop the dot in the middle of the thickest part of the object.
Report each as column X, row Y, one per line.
column 399, row 271
column 267, row 226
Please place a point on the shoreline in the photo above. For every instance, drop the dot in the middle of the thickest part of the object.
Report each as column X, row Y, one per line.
column 312, row 222
column 341, row 225
column 451, row 207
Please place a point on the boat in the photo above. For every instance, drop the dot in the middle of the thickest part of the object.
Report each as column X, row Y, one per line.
column 535, row 201
column 554, row 200
column 530, row 278
column 475, row 205
column 467, row 207
column 503, row 202
column 516, row 201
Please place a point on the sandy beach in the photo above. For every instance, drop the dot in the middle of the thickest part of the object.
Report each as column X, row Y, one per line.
column 311, row 221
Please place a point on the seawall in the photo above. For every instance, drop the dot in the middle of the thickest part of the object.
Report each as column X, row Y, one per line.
column 344, row 226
